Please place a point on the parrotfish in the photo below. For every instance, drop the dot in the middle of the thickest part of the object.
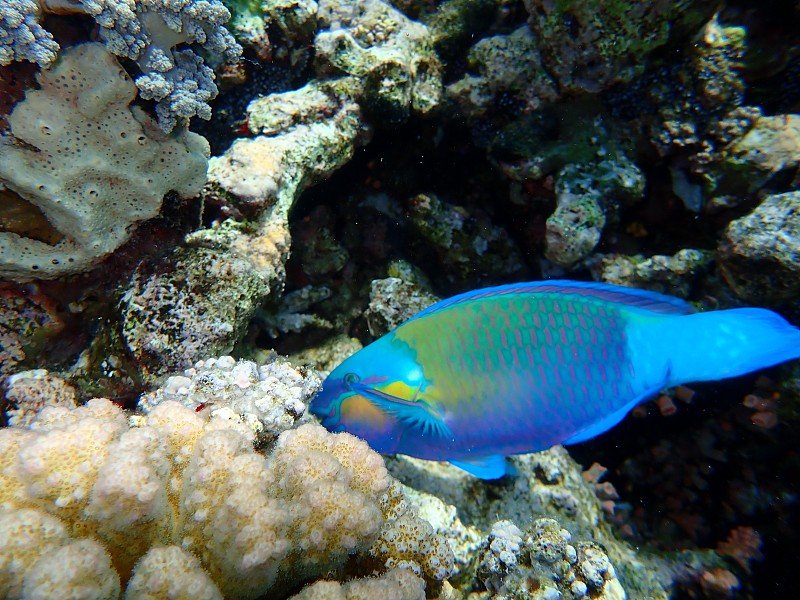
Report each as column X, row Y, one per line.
column 520, row 368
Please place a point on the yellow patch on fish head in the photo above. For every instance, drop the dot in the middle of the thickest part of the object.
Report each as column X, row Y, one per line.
column 399, row 389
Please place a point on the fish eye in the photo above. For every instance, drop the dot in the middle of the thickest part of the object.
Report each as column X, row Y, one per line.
column 351, row 378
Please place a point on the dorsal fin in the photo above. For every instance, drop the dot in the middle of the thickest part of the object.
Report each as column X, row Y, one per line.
column 641, row 299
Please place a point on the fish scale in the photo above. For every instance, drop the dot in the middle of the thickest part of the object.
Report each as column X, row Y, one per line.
column 519, row 368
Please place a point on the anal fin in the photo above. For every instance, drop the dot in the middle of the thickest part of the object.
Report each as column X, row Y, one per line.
column 492, row 466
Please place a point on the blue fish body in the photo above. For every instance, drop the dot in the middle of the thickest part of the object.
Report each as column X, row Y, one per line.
column 519, row 368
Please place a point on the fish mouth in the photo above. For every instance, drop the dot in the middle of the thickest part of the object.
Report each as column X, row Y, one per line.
column 326, row 405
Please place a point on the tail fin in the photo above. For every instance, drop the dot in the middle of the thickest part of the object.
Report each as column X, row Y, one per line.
column 725, row 343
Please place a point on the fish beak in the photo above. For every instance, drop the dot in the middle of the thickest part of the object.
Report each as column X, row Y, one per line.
column 326, row 405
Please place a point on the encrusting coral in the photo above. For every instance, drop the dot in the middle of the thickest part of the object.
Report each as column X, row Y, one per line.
column 91, row 163
column 179, row 500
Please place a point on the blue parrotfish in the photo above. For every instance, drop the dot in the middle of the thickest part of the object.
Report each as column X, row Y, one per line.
column 520, row 368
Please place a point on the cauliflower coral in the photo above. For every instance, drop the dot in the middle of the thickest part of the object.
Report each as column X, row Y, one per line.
column 177, row 504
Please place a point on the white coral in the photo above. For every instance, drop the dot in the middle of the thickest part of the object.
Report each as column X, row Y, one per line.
column 21, row 36
column 268, row 399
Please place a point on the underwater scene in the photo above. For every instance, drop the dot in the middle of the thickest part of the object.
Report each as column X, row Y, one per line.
column 399, row 299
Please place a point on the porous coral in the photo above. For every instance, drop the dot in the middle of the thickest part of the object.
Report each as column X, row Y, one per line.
column 397, row 584
column 181, row 496
column 170, row 572
column 92, row 164
column 410, row 542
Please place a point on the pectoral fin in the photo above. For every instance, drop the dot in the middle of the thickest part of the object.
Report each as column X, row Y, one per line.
column 417, row 415
column 493, row 466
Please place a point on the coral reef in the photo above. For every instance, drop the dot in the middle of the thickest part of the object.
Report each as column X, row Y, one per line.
column 673, row 275
column 201, row 298
column 468, row 246
column 21, row 36
column 759, row 256
column 547, row 484
column 292, row 314
column 588, row 46
column 327, row 356
column 764, row 150
column 391, row 54
column 145, row 31
column 507, row 65
column 270, row 398
column 168, row 320
column 181, row 496
column 91, row 163
column 392, row 301
column 28, row 320
column 543, row 563
column 28, row 392
column 397, row 150
column 305, row 135
column 587, row 197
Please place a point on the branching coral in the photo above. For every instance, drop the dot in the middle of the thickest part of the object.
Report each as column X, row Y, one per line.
column 146, row 31
column 181, row 501
column 21, row 36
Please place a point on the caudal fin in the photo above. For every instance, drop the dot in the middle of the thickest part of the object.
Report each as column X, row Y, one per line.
column 726, row 343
